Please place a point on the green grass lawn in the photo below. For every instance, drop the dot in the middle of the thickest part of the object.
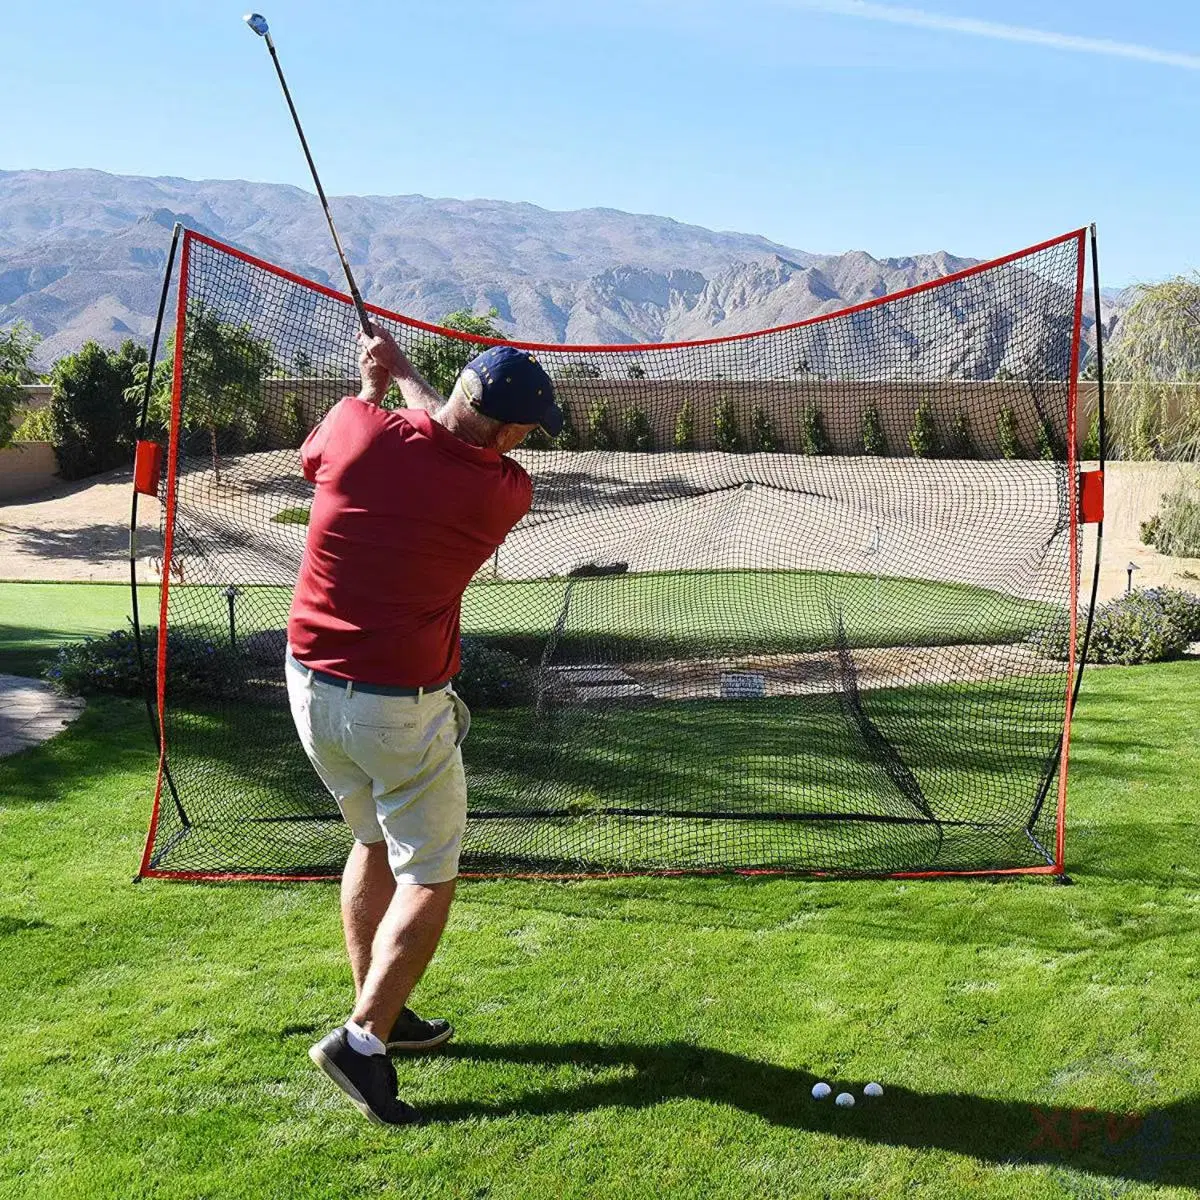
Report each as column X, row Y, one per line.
column 655, row 614
column 616, row 1038
column 618, row 618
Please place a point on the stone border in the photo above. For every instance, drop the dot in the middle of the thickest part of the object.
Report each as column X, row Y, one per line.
column 32, row 712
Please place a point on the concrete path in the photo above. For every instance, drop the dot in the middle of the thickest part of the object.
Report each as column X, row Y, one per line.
column 31, row 712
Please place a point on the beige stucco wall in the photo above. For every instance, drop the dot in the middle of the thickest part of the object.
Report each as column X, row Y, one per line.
column 841, row 405
column 26, row 468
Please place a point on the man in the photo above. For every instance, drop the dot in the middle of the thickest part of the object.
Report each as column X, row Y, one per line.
column 408, row 505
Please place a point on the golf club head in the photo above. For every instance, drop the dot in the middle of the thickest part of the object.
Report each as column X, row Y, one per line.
column 258, row 23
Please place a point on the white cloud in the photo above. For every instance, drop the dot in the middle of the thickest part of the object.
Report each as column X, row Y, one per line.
column 869, row 11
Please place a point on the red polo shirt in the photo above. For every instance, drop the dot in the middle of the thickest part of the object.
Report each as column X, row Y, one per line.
column 404, row 515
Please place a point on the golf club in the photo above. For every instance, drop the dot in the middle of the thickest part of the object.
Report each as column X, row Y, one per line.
column 258, row 23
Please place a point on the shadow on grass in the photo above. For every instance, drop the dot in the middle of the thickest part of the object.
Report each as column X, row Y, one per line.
column 1160, row 1146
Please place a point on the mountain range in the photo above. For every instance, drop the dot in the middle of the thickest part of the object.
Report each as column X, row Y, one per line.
column 82, row 252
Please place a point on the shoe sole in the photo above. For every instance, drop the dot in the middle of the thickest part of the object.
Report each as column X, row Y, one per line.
column 326, row 1064
column 418, row 1047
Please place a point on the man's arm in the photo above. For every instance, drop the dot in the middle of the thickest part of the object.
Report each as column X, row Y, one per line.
column 383, row 359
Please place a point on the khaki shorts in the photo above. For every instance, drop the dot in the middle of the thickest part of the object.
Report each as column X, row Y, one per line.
column 393, row 765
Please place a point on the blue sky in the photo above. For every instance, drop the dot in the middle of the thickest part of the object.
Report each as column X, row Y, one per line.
column 975, row 126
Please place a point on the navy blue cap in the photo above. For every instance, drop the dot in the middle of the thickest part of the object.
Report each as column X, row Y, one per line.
column 516, row 389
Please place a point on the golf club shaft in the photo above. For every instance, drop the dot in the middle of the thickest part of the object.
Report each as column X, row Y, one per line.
column 354, row 292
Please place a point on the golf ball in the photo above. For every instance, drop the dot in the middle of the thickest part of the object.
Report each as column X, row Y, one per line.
column 821, row 1090
column 844, row 1100
column 872, row 1089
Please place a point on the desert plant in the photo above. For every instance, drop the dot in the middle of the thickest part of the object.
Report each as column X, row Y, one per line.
column 923, row 439
column 568, row 437
column 1175, row 528
column 685, row 428
column 726, row 434
column 874, row 440
column 762, row 431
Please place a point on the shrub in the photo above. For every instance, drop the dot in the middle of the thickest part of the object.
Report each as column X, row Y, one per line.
column 1181, row 607
column 923, row 440
column 1090, row 451
column 762, row 431
column 638, row 435
column 1047, row 446
column 599, row 431
column 959, row 443
column 539, row 439
column 36, row 427
column 685, row 428
column 17, row 345
column 813, row 438
column 492, row 678
column 726, row 433
column 1175, row 529
column 568, row 438
column 196, row 665
column 1139, row 627
column 93, row 423
column 874, row 440
column 1006, row 433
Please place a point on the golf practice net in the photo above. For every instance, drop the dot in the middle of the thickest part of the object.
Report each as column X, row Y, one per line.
column 774, row 608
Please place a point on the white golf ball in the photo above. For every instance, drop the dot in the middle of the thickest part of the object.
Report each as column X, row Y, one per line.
column 873, row 1089
column 844, row 1100
column 821, row 1090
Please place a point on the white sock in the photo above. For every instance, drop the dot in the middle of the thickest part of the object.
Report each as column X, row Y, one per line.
column 362, row 1042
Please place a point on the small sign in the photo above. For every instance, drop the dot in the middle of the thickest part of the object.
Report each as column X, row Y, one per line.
column 743, row 685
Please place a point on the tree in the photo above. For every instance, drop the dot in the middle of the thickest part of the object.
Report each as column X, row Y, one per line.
column 638, row 433
column 726, row 434
column 959, row 442
column 599, row 431
column 579, row 369
column 685, row 428
column 1006, row 433
column 17, row 345
column 762, row 431
column 224, row 367
column 441, row 359
column 813, row 438
column 92, row 421
column 1156, row 349
column 923, row 441
column 874, row 440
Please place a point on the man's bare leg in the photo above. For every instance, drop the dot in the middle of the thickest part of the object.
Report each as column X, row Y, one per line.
column 368, row 886
column 404, row 943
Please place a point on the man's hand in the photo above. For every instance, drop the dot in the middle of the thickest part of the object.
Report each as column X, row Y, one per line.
column 382, row 349
column 380, row 359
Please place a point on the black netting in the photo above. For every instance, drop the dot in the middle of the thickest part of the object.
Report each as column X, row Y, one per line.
column 771, row 607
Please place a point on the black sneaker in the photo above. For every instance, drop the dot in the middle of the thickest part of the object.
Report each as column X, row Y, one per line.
column 368, row 1079
column 412, row 1035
